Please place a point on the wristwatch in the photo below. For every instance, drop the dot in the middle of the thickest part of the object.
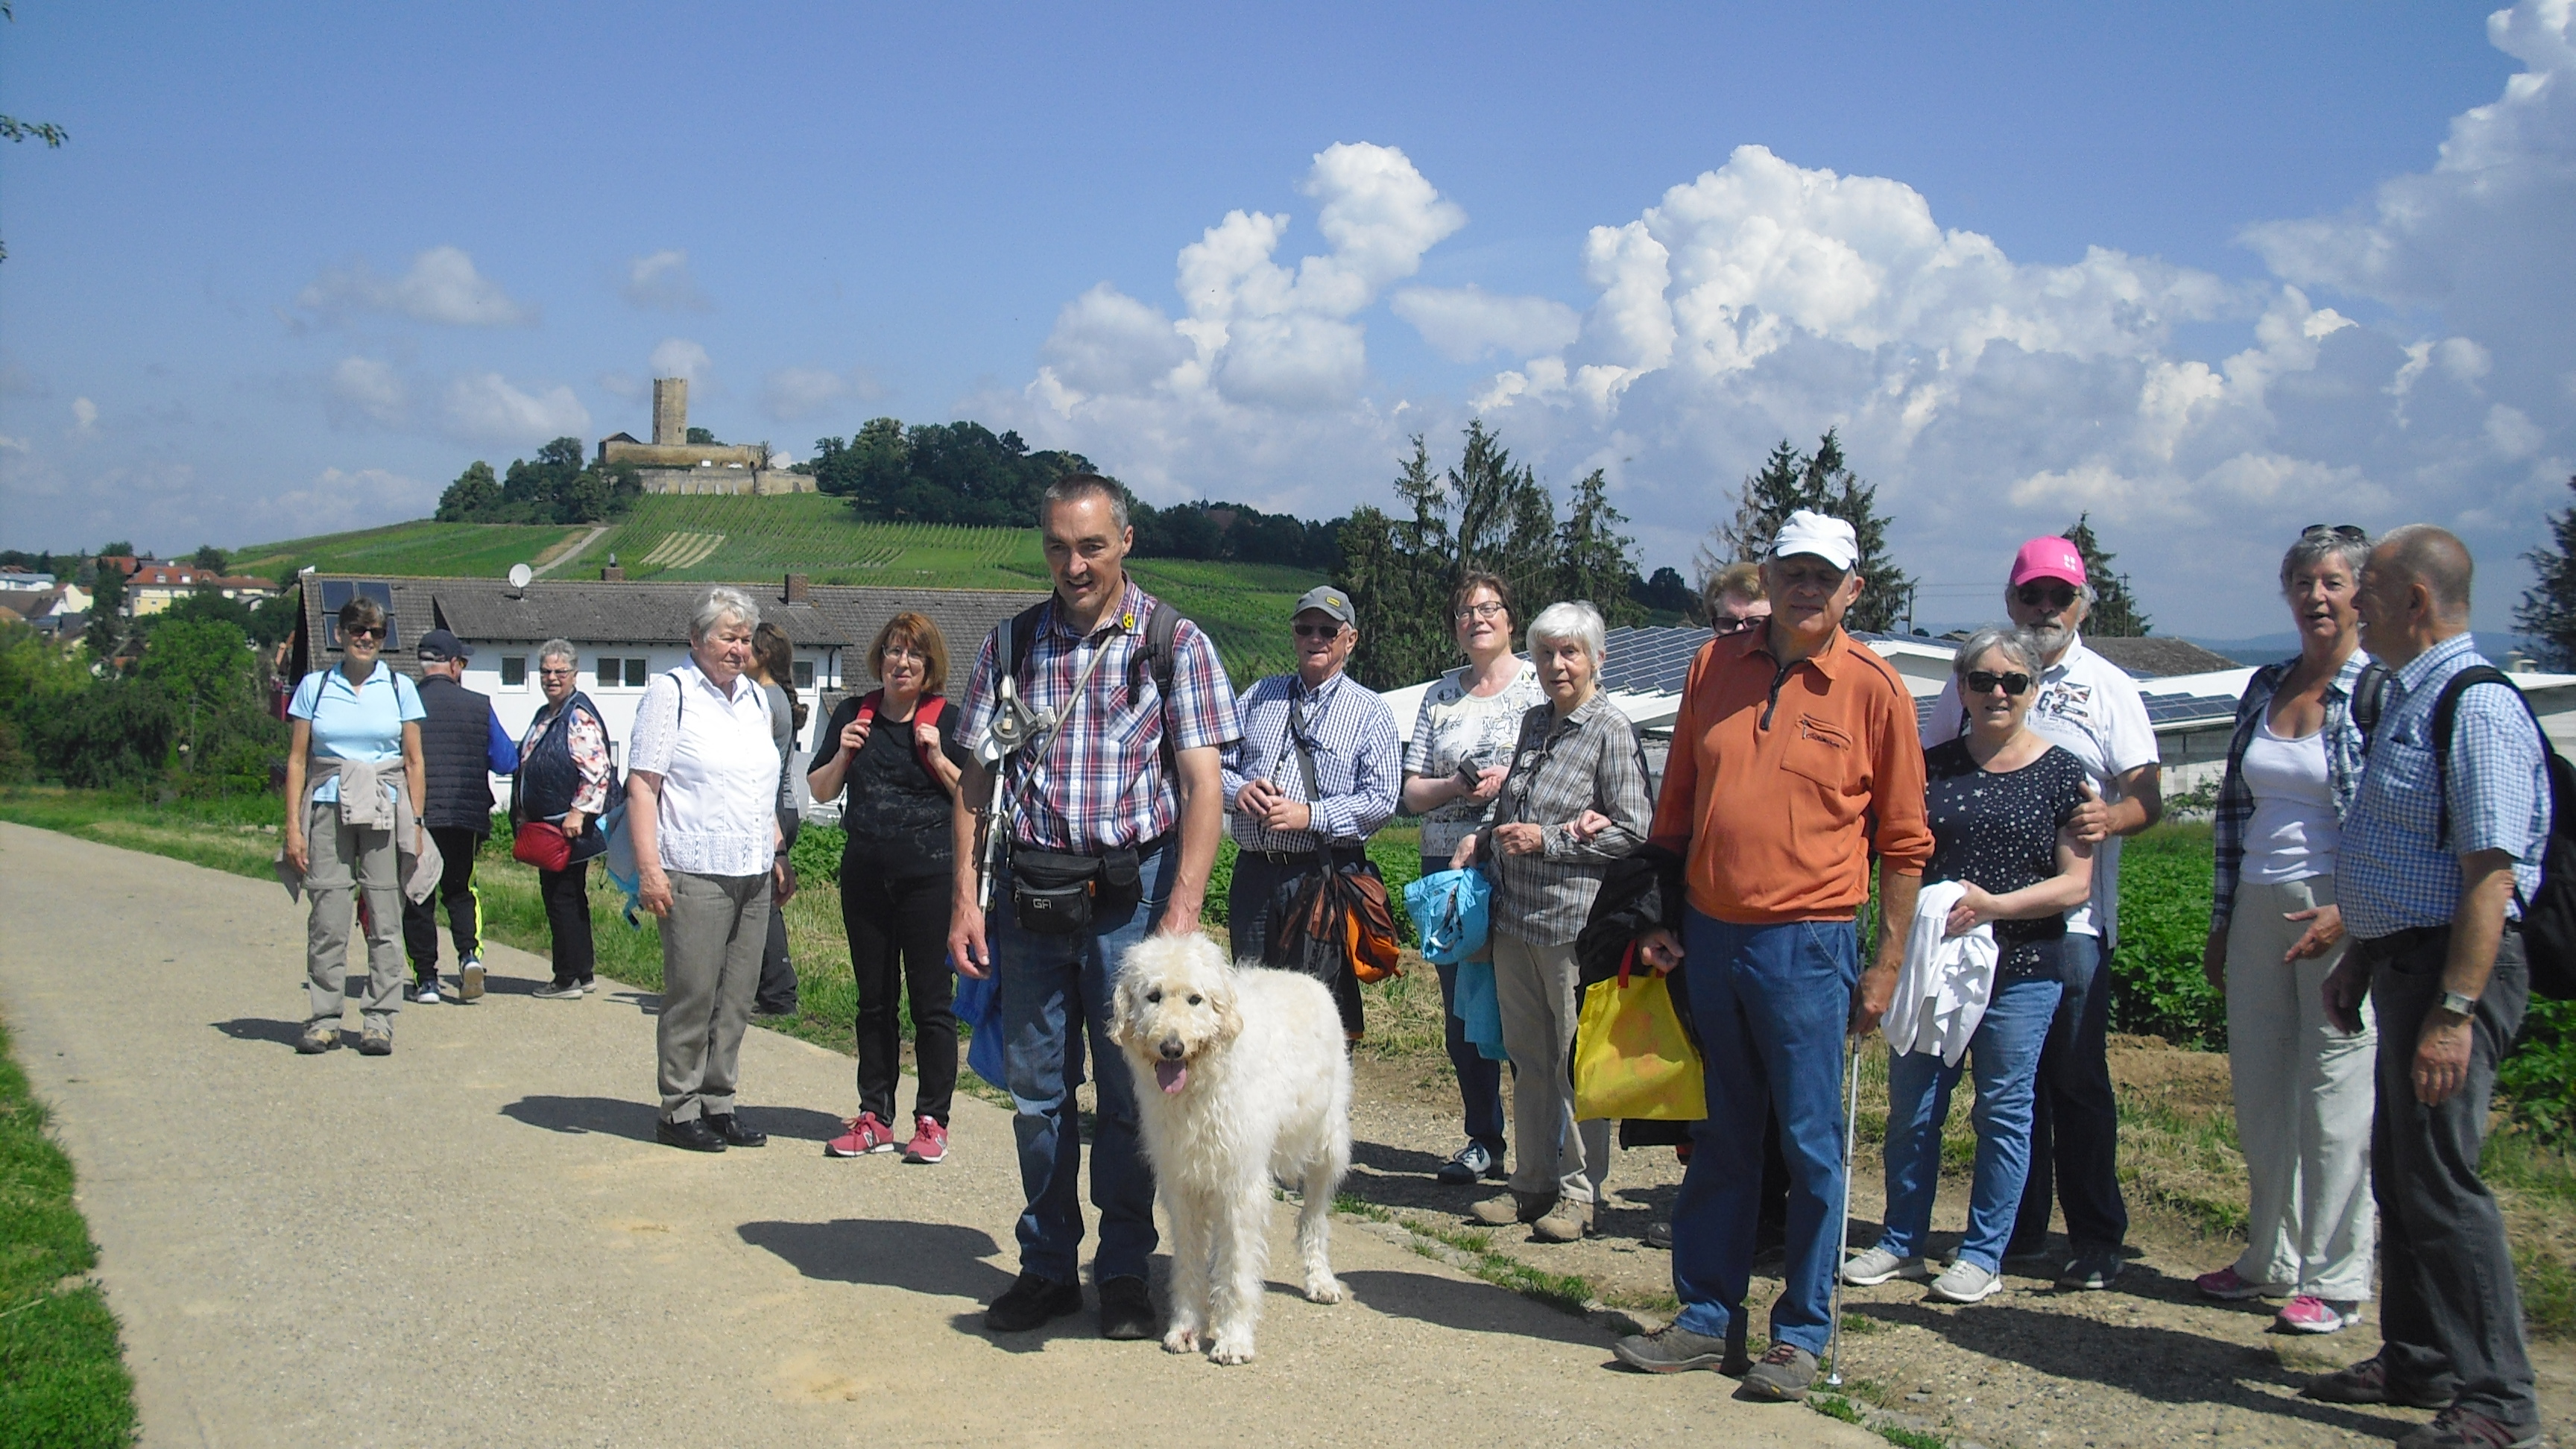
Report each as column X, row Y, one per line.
column 2459, row 1003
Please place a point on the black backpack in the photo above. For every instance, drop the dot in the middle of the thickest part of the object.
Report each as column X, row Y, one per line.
column 2549, row 916
column 1019, row 636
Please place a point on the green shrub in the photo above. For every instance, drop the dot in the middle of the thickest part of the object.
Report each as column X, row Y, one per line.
column 2156, row 984
column 2540, row 1076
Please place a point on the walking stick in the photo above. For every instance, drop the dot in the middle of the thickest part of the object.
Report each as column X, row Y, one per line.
column 1842, row 1229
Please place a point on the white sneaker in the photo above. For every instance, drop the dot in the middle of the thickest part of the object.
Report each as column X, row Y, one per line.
column 1878, row 1265
column 1965, row 1282
column 469, row 977
column 428, row 995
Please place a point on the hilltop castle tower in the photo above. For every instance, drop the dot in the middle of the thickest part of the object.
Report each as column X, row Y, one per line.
column 672, row 464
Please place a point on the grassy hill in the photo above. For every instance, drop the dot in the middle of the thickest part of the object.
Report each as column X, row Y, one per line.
column 1244, row 607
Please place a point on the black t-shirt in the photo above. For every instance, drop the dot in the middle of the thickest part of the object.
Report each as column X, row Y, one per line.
column 2000, row 832
column 895, row 813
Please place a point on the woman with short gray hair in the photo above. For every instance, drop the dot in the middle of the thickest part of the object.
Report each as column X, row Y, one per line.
column 564, row 780
column 1575, row 801
column 703, row 794
column 2303, row 1088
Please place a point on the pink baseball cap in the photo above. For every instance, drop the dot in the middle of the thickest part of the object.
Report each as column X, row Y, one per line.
column 2048, row 558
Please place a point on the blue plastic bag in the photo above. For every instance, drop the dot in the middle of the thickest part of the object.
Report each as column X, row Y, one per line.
column 1451, row 909
column 1479, row 1010
column 978, row 1006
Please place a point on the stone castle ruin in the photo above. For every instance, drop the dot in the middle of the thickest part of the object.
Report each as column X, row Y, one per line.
column 672, row 464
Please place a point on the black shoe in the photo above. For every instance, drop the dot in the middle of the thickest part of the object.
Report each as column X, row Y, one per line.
column 730, row 1128
column 1127, row 1310
column 694, row 1135
column 2368, row 1382
column 1030, row 1302
column 1467, row 1164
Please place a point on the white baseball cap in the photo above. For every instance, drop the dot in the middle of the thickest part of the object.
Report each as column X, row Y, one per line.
column 1827, row 537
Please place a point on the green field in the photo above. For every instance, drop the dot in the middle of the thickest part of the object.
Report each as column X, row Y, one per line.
column 1244, row 607
column 470, row 550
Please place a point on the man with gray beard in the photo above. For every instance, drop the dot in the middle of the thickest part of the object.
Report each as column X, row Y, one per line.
column 2091, row 708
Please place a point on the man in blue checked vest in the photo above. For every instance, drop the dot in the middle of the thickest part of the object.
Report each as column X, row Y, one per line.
column 1314, row 775
column 2440, row 849
column 1100, row 717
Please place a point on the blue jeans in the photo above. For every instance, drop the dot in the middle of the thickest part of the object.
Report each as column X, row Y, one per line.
column 2075, row 1118
column 1050, row 986
column 2005, row 1055
column 1773, row 1007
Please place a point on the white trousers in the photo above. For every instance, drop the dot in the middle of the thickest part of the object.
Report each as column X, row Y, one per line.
column 2303, row 1102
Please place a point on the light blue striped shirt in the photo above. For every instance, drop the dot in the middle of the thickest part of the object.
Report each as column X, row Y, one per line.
column 1359, row 761
column 2397, row 868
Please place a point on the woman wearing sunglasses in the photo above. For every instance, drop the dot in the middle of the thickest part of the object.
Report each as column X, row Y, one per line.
column 2002, row 803
column 2303, row 1088
column 355, row 740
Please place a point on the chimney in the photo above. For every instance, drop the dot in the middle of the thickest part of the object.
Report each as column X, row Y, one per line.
column 612, row 574
column 670, row 412
column 796, row 592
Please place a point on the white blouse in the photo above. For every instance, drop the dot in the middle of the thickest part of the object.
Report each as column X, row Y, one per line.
column 719, row 767
column 2294, row 832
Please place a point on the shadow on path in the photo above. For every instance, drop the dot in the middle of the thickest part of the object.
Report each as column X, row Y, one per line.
column 606, row 1116
column 1467, row 1306
column 939, row 1260
column 2162, row 1365
column 260, row 1028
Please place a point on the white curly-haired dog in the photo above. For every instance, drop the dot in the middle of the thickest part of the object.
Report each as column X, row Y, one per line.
column 1241, row 1077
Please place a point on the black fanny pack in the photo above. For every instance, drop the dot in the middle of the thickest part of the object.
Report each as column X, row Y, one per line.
column 1056, row 894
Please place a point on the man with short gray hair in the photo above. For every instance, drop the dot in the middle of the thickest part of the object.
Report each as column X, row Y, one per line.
column 2441, row 851
column 462, row 746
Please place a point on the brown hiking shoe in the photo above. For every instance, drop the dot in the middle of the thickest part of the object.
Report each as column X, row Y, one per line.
column 1566, row 1222
column 1517, row 1207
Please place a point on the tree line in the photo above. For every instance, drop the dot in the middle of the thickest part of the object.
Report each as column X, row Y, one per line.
column 554, row 487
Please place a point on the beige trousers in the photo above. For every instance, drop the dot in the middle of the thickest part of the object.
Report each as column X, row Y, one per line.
column 338, row 857
column 711, row 946
column 2303, row 1102
column 1552, row 1155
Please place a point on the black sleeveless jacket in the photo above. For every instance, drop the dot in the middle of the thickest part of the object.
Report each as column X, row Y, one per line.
column 455, row 743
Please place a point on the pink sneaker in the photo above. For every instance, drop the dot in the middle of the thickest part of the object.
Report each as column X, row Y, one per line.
column 866, row 1135
column 2310, row 1314
column 2225, row 1284
column 929, row 1141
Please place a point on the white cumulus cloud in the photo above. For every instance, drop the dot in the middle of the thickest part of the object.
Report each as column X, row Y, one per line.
column 367, row 389
column 1466, row 323
column 679, row 357
column 485, row 407
column 662, row 282
column 442, row 286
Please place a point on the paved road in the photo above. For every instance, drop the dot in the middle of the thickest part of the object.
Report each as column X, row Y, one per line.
column 475, row 1241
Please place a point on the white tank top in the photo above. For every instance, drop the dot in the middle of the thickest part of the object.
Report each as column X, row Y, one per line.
column 2294, row 831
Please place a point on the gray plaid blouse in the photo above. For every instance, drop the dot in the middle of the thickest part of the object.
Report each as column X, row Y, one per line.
column 1588, row 760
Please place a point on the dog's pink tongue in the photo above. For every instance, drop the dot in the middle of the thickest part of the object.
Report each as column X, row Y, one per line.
column 1171, row 1076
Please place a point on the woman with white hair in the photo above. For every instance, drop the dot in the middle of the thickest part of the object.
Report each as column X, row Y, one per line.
column 2303, row 1086
column 703, row 792
column 564, row 779
column 1575, row 801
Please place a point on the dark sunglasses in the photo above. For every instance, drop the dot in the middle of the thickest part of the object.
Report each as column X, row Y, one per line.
column 1983, row 681
column 2339, row 530
column 364, row 631
column 1316, row 631
column 1724, row 627
column 2034, row 595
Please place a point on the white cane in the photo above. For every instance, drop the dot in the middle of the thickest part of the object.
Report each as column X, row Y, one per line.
column 1842, row 1227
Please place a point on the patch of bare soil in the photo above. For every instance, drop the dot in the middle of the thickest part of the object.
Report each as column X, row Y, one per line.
column 2146, row 1363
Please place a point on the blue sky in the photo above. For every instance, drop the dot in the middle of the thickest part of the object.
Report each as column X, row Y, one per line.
column 2211, row 272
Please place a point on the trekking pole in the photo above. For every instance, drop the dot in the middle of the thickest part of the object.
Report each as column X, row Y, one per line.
column 1842, row 1229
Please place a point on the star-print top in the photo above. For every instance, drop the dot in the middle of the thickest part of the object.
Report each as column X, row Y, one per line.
column 2000, row 832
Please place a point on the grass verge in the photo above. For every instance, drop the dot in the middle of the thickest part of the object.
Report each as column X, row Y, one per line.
column 63, row 1382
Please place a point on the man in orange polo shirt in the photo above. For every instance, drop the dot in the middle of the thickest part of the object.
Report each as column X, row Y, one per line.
column 1808, row 740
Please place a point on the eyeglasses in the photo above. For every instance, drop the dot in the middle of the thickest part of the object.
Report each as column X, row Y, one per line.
column 1724, row 627
column 2033, row 595
column 905, row 651
column 1984, row 681
column 364, row 631
column 1318, row 631
column 1486, row 610
column 556, row 673
column 2339, row 530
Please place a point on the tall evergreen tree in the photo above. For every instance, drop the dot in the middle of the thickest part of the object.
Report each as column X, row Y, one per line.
column 1593, row 559
column 2548, row 608
column 1789, row 480
column 2116, row 614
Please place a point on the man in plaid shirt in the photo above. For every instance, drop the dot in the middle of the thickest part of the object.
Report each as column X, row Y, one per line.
column 1102, row 785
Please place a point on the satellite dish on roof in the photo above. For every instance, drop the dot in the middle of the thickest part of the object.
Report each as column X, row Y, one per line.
column 520, row 574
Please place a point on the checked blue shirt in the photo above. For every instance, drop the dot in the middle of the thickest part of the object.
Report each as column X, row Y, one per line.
column 1359, row 761
column 2397, row 868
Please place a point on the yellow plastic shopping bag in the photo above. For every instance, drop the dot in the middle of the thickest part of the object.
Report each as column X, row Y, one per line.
column 1631, row 1056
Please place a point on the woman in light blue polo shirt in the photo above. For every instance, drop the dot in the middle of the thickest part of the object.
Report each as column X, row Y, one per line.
column 363, row 720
